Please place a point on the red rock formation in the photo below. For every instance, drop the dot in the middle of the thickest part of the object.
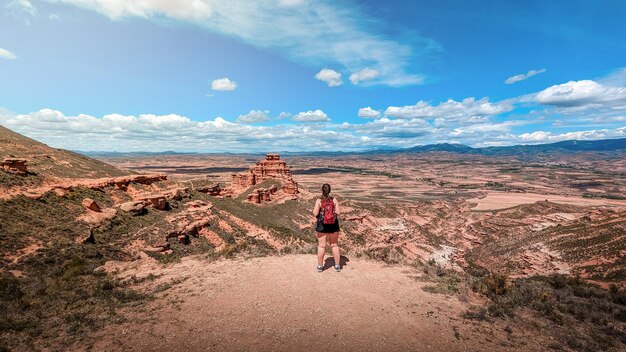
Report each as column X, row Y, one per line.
column 16, row 166
column 273, row 189
column 254, row 198
column 133, row 208
column 91, row 204
column 290, row 186
column 243, row 180
column 271, row 167
column 157, row 201
column 213, row 190
column 264, row 194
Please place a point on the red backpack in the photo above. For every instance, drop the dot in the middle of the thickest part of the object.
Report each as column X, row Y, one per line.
column 328, row 211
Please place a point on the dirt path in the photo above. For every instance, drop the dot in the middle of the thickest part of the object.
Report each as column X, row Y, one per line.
column 283, row 304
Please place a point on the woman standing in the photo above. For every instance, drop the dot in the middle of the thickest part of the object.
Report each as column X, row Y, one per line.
column 327, row 227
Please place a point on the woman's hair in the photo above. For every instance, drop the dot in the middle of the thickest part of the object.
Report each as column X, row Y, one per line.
column 325, row 190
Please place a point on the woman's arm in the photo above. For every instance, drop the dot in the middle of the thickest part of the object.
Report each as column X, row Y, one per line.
column 336, row 206
column 316, row 209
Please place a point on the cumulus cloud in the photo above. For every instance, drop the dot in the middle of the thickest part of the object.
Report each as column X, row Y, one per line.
column 549, row 137
column 223, row 84
column 254, row 116
column 467, row 109
column 149, row 132
column 6, row 54
column 313, row 33
column 366, row 74
column 368, row 112
column 523, row 76
column 331, row 77
column 311, row 116
column 585, row 94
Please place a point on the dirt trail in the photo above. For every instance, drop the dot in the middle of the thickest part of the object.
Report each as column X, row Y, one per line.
column 283, row 304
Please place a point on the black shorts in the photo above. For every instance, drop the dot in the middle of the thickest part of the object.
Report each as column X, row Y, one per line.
column 331, row 228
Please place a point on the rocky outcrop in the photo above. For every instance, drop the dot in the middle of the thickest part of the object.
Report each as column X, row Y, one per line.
column 260, row 195
column 243, row 180
column 91, row 205
column 134, row 208
column 290, row 186
column 212, row 190
column 184, row 232
column 157, row 201
column 269, row 168
column 15, row 166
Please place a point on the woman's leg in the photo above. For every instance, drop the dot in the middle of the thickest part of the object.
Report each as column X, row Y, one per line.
column 321, row 247
column 333, row 238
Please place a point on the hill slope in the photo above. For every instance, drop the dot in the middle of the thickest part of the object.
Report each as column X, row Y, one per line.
column 46, row 161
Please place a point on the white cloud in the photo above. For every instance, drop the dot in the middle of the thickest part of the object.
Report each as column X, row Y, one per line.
column 467, row 109
column 223, row 84
column 523, row 77
column 311, row 116
column 549, row 137
column 366, row 74
column 331, row 77
column 6, row 54
column 254, row 116
column 284, row 115
column 583, row 94
column 314, row 33
column 368, row 112
column 149, row 132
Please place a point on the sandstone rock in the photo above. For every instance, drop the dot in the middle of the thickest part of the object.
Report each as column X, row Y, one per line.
column 14, row 165
column 290, row 186
column 59, row 192
column 243, row 180
column 134, row 207
column 91, row 204
column 254, row 198
column 264, row 194
column 157, row 201
column 184, row 239
column 159, row 248
column 196, row 204
column 273, row 189
column 213, row 190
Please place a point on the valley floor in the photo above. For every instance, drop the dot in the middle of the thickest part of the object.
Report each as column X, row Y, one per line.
column 280, row 303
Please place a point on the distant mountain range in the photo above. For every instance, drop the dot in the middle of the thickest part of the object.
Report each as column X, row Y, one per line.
column 572, row 146
column 568, row 147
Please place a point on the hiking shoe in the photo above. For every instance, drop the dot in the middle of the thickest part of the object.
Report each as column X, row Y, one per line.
column 337, row 268
column 320, row 268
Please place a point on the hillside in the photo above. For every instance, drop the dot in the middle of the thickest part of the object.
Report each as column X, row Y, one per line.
column 46, row 161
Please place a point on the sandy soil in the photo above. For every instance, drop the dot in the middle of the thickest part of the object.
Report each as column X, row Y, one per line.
column 283, row 304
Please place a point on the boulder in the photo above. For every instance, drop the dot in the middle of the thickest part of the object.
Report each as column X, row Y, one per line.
column 91, row 204
column 133, row 208
column 157, row 201
column 14, row 165
column 273, row 189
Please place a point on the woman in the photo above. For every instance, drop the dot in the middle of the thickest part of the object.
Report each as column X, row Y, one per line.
column 330, row 231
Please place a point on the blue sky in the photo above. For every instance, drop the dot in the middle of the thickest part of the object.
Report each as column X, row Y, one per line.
column 215, row 76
